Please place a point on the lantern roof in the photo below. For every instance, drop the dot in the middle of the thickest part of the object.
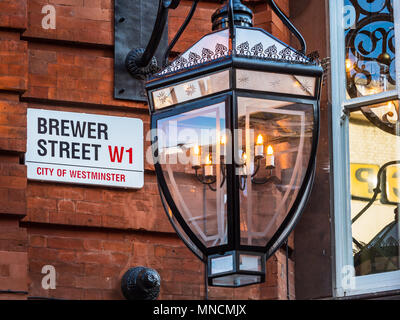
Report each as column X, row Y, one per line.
column 248, row 42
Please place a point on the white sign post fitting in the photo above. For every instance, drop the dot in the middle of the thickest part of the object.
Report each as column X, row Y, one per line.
column 84, row 148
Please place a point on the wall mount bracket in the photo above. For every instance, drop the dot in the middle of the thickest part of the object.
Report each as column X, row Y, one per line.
column 133, row 27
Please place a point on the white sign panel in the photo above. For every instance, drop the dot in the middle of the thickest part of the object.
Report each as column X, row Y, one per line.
column 84, row 148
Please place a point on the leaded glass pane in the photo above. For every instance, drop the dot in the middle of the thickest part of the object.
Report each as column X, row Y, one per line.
column 370, row 47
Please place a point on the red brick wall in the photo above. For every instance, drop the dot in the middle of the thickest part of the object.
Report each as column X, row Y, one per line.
column 91, row 235
column 14, row 279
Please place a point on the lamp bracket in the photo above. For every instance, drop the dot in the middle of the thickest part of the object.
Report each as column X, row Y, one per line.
column 285, row 20
column 140, row 40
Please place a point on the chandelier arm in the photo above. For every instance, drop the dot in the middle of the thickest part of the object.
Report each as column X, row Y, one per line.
column 257, row 168
column 289, row 25
column 223, row 168
column 161, row 21
column 269, row 179
column 242, row 186
column 180, row 31
column 377, row 189
column 198, row 177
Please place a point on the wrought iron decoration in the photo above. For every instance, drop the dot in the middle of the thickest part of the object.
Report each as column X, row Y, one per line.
column 370, row 55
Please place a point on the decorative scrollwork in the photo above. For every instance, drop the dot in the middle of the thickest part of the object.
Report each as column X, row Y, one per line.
column 370, row 49
column 271, row 53
column 207, row 55
column 243, row 49
column 370, row 53
column 286, row 54
column 258, row 49
column 181, row 62
column 220, row 50
column 194, row 58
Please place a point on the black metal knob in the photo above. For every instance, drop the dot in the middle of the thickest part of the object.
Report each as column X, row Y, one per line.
column 141, row 283
column 242, row 16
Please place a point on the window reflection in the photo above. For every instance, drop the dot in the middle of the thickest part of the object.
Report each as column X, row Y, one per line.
column 375, row 192
column 189, row 145
column 281, row 132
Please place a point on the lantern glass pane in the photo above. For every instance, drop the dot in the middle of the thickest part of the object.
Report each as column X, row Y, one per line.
column 191, row 90
column 190, row 154
column 369, row 47
column 236, row 280
column 222, row 264
column 276, row 82
column 374, row 166
column 179, row 229
column 249, row 262
column 276, row 137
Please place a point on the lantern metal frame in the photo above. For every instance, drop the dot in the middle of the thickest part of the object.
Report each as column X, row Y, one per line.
column 233, row 62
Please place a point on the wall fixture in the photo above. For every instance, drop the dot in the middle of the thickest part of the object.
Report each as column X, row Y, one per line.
column 140, row 283
column 235, row 124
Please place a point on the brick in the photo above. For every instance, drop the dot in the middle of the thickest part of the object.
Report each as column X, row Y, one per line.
column 90, row 207
column 92, row 294
column 118, row 258
column 63, row 192
column 95, row 195
column 92, row 244
column 42, row 203
column 117, row 246
column 13, row 257
column 67, row 292
column 92, row 257
column 14, row 62
column 37, row 241
column 49, row 256
column 72, row 77
column 66, row 256
column 70, row 267
column 77, row 21
column 13, row 14
column 66, row 205
column 4, row 270
column 65, row 243
column 12, row 184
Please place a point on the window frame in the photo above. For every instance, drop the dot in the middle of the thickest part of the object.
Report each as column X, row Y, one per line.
column 341, row 108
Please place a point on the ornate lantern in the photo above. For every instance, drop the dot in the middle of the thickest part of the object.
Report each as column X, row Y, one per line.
column 235, row 123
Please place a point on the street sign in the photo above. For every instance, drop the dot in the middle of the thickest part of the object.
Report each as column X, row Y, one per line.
column 84, row 148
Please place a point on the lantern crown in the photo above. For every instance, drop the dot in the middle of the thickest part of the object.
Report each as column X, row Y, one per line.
column 249, row 43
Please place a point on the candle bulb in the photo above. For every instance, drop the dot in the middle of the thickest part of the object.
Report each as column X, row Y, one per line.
column 259, row 149
column 243, row 167
column 196, row 156
column 349, row 64
column 270, row 158
column 223, row 145
column 208, row 167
